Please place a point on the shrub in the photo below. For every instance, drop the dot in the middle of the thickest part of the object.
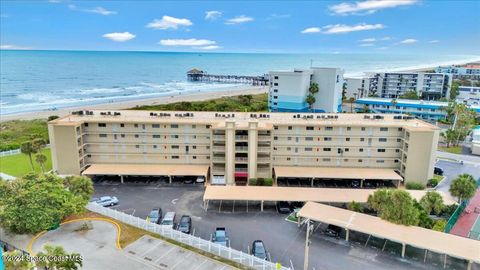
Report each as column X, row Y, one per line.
column 415, row 186
column 432, row 182
column 268, row 182
column 252, row 181
column 260, row 181
column 439, row 225
column 53, row 117
column 355, row 206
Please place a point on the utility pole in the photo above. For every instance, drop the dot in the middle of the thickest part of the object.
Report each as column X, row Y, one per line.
column 307, row 243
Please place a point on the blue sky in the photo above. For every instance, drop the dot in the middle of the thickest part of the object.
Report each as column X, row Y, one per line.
column 366, row 26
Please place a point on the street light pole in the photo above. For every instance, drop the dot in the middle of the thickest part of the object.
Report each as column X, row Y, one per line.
column 307, row 244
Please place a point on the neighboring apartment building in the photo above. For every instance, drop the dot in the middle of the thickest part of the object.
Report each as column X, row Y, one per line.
column 429, row 86
column 475, row 146
column 421, row 109
column 357, row 87
column 233, row 147
column 469, row 94
column 468, row 71
column 289, row 90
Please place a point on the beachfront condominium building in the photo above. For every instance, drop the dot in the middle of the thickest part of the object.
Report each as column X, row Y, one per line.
column 469, row 95
column 467, row 71
column 421, row 109
column 289, row 90
column 428, row 86
column 229, row 148
column 357, row 87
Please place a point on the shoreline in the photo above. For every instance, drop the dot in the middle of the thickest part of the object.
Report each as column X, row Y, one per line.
column 203, row 96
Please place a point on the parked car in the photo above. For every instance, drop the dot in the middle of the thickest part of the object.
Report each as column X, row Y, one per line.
column 188, row 180
column 169, row 219
column 333, row 231
column 259, row 250
column 355, row 184
column 107, row 201
column 155, row 215
column 220, row 237
column 284, row 207
column 438, row 171
column 185, row 224
column 200, row 179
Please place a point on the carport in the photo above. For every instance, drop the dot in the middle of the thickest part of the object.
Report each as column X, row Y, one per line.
column 146, row 170
column 429, row 240
column 317, row 173
column 296, row 194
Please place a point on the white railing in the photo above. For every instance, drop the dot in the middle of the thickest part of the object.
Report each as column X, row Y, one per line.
column 10, row 152
column 187, row 239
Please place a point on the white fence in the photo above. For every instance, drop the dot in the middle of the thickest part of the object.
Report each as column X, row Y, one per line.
column 193, row 241
column 10, row 152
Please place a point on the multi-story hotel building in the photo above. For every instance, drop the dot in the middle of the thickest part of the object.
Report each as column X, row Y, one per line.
column 289, row 90
column 429, row 86
column 468, row 71
column 232, row 147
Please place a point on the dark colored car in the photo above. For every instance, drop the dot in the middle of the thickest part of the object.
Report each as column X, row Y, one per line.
column 333, row 231
column 283, row 207
column 438, row 171
column 185, row 224
column 155, row 215
column 259, row 250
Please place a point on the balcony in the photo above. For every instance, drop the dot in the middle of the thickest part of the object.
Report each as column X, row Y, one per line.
column 219, row 137
column 218, row 159
column 241, row 148
column 241, row 137
column 241, row 170
column 218, row 149
column 264, row 149
column 241, row 159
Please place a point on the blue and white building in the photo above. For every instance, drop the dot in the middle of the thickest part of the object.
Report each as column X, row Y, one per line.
column 289, row 90
column 466, row 71
column 421, row 109
column 469, row 95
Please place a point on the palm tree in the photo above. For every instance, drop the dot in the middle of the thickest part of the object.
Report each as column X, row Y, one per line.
column 450, row 136
column 463, row 187
column 27, row 148
column 312, row 90
column 38, row 144
column 310, row 100
column 74, row 261
column 41, row 159
column 432, row 202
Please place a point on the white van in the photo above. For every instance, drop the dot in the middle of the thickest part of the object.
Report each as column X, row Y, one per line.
column 169, row 219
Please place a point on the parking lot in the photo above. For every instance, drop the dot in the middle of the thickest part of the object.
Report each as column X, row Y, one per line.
column 283, row 239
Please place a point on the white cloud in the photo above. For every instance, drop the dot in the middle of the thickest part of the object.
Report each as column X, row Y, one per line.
column 212, row 15
column 311, row 30
column 12, row 47
column 210, row 47
column 367, row 45
column 368, row 6
column 434, row 41
column 408, row 41
column 168, row 22
column 239, row 19
column 101, row 11
column 119, row 37
column 368, row 40
column 343, row 28
column 187, row 42
column 386, row 38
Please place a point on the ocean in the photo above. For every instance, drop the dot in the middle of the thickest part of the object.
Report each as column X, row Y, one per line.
column 50, row 80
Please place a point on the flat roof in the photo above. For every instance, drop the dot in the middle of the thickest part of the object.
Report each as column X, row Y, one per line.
column 334, row 172
column 146, row 169
column 299, row 194
column 439, row 242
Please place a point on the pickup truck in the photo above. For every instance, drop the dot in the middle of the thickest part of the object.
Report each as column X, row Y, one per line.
column 220, row 237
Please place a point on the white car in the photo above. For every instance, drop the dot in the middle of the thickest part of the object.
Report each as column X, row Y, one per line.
column 107, row 201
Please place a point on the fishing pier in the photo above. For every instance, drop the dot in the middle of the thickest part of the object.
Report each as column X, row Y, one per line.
column 196, row 75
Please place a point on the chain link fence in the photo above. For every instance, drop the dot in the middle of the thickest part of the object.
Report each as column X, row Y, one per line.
column 187, row 239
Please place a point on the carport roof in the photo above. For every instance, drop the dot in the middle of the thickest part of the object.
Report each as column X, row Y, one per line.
column 146, row 170
column 337, row 173
column 439, row 242
column 298, row 194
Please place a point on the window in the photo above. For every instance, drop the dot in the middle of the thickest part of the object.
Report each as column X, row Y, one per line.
column 289, row 149
column 326, row 159
column 362, row 139
column 194, row 147
column 275, row 97
column 347, row 139
column 400, row 129
column 175, row 157
column 173, row 126
column 349, row 128
column 194, row 157
column 136, row 136
column 308, row 149
column 399, row 140
column 102, row 125
column 383, row 129
column 396, row 161
column 155, row 146
column 381, row 150
column 155, row 125
column 194, row 126
column 397, row 150
column 382, row 139
column 289, row 138
column 288, row 158
column 308, row 138
column 175, row 147
column 289, row 127
column 327, row 139
column 174, row 136
column 122, row 135
column 137, row 146
column 329, row 128
column 136, row 125
column 360, row 161
column 275, row 84
column 86, row 124
column 309, row 128
column 363, row 128
column 275, row 127
column 275, row 90
column 360, row 150
column 327, row 149
column 275, row 77
column 275, row 138
column 346, row 149
column 156, row 136
column 102, row 135
column 380, row 161
column 122, row 125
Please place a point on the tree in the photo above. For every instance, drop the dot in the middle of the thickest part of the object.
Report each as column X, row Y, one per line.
column 394, row 103
column 396, row 206
column 344, row 91
column 37, row 202
column 432, row 202
column 17, row 264
column 463, row 187
column 449, row 136
column 310, row 100
column 73, row 261
column 38, row 144
column 440, row 225
column 41, row 159
column 28, row 149
column 355, row 206
column 312, row 90
column 454, row 90
column 411, row 94
column 80, row 186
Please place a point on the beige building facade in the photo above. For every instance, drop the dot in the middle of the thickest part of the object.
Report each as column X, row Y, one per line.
column 235, row 147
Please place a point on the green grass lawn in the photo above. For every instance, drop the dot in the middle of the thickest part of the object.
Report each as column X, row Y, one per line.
column 452, row 149
column 18, row 165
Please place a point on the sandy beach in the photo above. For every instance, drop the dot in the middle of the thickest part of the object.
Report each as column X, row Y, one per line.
column 178, row 97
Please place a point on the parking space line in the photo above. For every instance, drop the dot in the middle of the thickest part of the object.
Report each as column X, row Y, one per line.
column 165, row 254
column 182, row 259
column 150, row 249
column 200, row 265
